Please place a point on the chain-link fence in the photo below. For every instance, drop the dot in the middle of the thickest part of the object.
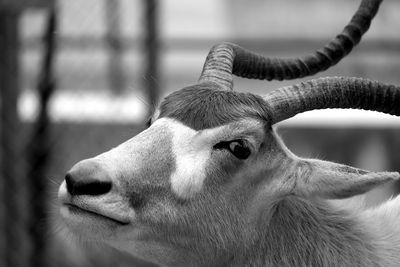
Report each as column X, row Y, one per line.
column 82, row 77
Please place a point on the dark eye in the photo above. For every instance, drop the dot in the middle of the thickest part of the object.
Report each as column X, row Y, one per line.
column 237, row 147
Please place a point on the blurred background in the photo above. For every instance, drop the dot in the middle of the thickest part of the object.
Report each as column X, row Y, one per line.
column 79, row 77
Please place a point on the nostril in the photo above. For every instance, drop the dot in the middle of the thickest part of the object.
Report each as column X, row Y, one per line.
column 86, row 185
column 70, row 183
column 92, row 188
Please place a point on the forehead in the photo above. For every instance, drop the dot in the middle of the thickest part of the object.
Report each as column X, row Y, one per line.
column 203, row 106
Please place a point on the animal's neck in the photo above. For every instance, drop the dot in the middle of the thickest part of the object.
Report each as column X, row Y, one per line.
column 309, row 233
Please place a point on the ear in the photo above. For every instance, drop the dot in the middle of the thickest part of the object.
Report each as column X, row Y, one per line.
column 331, row 180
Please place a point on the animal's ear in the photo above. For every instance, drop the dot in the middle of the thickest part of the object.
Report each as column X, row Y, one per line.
column 331, row 180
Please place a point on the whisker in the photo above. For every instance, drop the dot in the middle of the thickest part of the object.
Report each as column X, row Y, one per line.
column 53, row 181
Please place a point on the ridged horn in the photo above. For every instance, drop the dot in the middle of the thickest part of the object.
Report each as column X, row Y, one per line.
column 334, row 92
column 226, row 59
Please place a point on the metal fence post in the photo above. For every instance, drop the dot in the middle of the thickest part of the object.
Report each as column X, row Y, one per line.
column 39, row 150
column 13, row 195
column 114, row 41
column 151, row 48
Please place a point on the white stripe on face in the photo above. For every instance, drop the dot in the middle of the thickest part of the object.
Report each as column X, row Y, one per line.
column 191, row 155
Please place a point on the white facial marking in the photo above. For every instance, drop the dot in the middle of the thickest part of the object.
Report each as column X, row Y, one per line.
column 191, row 155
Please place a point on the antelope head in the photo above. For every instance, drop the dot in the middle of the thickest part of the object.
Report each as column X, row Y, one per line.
column 190, row 188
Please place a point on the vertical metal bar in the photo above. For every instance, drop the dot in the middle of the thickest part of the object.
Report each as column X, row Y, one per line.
column 13, row 223
column 113, row 37
column 151, row 47
column 40, row 151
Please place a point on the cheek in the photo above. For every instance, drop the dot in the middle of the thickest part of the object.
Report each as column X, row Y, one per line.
column 160, row 210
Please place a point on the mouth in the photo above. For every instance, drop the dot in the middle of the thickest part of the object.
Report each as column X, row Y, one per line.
column 79, row 211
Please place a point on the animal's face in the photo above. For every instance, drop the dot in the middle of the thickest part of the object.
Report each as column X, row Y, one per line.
column 171, row 185
column 195, row 181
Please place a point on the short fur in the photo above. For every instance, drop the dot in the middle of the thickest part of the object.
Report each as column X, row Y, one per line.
column 301, row 232
column 195, row 106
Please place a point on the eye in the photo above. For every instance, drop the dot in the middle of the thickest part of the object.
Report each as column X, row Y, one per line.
column 237, row 147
